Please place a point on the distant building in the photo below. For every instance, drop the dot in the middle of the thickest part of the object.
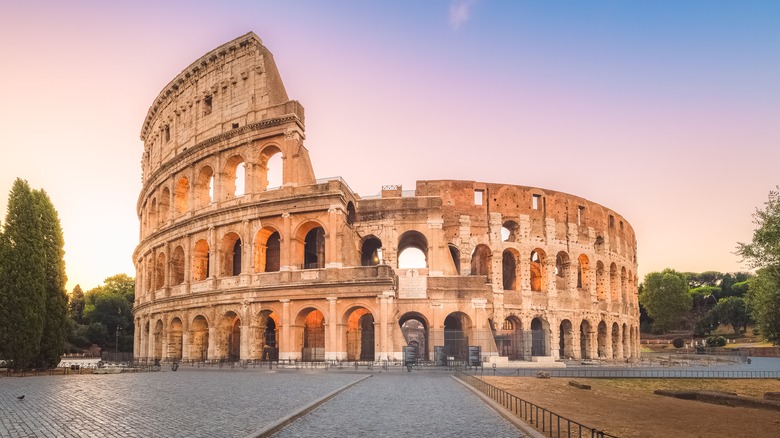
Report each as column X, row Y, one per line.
column 229, row 267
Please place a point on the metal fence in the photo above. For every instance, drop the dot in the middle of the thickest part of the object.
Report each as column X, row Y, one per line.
column 544, row 420
column 631, row 373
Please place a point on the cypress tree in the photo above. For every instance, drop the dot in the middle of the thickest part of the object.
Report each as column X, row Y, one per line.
column 76, row 305
column 22, row 278
column 56, row 324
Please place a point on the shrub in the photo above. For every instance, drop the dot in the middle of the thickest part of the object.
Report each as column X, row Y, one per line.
column 716, row 341
column 678, row 342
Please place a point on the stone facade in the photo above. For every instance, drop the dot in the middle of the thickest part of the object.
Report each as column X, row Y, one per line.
column 229, row 267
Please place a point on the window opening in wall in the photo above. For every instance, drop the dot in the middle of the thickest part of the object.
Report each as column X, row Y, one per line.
column 505, row 233
column 412, row 258
column 235, row 125
column 580, row 214
column 273, row 253
column 237, row 257
column 455, row 253
column 611, row 221
column 314, row 249
column 621, row 226
column 478, row 195
column 371, row 253
column 274, row 172
column 167, row 133
column 535, row 202
column 240, row 179
column 207, row 105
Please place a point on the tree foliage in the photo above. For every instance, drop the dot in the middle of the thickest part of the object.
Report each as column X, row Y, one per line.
column 76, row 305
column 732, row 311
column 763, row 299
column 110, row 306
column 665, row 297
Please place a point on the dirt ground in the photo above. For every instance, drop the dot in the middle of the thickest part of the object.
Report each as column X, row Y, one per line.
column 628, row 408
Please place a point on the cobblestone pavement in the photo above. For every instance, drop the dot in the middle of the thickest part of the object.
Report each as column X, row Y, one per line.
column 189, row 402
column 403, row 404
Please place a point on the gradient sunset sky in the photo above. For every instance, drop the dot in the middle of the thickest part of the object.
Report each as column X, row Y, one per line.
column 667, row 112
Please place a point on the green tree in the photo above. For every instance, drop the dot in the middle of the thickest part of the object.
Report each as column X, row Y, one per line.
column 764, row 252
column 22, row 278
column 110, row 306
column 665, row 297
column 55, row 328
column 703, row 299
column 76, row 305
column 732, row 311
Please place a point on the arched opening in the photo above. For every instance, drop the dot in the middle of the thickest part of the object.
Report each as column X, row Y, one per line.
column 159, row 280
column 510, row 231
column 153, row 214
column 351, row 215
column 562, row 271
column 268, row 336
column 228, row 343
column 175, row 335
column 231, row 255
column 481, row 261
column 601, row 282
column 200, row 261
column 177, row 266
column 234, row 182
column 538, row 272
column 371, row 251
column 583, row 273
column 602, row 340
column 314, row 249
column 204, row 188
column 415, row 331
column 626, row 344
column 455, row 254
column 539, row 337
column 585, row 348
column 457, row 326
column 616, row 341
column 181, row 196
column 412, row 251
column 509, row 269
column 623, row 285
column 313, row 349
column 509, row 339
column 267, row 250
column 271, row 168
column 158, row 338
column 614, row 283
column 165, row 203
column 199, row 338
column 566, row 340
column 360, row 335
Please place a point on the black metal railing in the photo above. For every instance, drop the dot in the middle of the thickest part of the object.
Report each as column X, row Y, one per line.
column 630, row 373
column 543, row 420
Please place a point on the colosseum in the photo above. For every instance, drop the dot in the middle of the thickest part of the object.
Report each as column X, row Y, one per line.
column 245, row 255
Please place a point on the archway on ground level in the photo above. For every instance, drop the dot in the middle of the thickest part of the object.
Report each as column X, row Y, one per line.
column 158, row 338
column 267, row 336
column 602, row 340
column 509, row 339
column 415, row 330
column 615, row 340
column 540, row 330
column 626, row 345
column 360, row 339
column 585, row 340
column 457, row 326
column 313, row 345
column 175, row 334
column 566, row 340
column 199, row 338
column 229, row 337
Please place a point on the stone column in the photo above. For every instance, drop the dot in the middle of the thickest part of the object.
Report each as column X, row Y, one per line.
column 212, row 351
column 384, row 303
column 332, row 253
column 332, row 350
column 137, row 338
column 285, row 332
column 286, row 244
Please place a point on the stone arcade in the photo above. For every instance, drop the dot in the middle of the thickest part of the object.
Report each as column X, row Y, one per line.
column 230, row 268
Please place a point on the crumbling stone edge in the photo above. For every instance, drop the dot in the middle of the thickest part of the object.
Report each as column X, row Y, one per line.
column 721, row 398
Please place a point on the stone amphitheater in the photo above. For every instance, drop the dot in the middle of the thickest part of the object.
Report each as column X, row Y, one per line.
column 245, row 255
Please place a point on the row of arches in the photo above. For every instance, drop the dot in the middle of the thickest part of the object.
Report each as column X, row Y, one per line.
column 209, row 183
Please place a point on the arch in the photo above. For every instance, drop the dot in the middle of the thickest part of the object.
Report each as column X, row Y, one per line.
column 228, row 343
column 509, row 268
column 231, row 255
column 510, row 231
column 200, row 261
column 540, row 337
column 360, row 339
column 177, row 266
column 601, row 282
column 538, row 270
column 181, row 196
column 314, row 249
column 616, row 340
column 199, row 338
column 412, row 250
column 602, row 339
column 234, row 182
column 271, row 175
column 583, row 273
column 159, row 278
column 585, row 348
column 268, row 335
column 455, row 254
column 509, row 338
column 313, row 340
column 623, row 285
column 614, row 283
column 153, row 214
column 204, row 187
column 562, row 271
column 268, row 250
column 165, row 205
column 351, row 215
column 175, row 336
column 566, row 340
column 414, row 327
column 626, row 342
column 481, row 261
column 457, row 328
column 371, row 251
column 158, row 340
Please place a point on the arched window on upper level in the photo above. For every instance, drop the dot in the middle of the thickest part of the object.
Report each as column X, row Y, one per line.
column 200, row 261
column 538, row 270
column 159, row 281
column 481, row 261
column 267, row 250
column 510, row 231
column 153, row 214
column 562, row 271
column 351, row 215
column 235, row 177
column 614, row 283
column 181, row 196
column 165, row 202
column 371, row 251
column 601, row 282
column 509, row 269
column 412, row 250
column 231, row 255
column 310, row 248
column 204, row 188
column 271, row 172
column 583, row 273
column 177, row 266
column 455, row 253
column 623, row 285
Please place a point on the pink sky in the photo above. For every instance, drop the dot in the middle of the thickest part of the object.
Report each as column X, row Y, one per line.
column 666, row 113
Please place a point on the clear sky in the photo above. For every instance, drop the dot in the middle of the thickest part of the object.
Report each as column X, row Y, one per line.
column 667, row 112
